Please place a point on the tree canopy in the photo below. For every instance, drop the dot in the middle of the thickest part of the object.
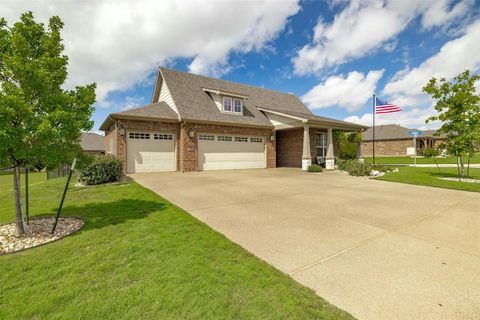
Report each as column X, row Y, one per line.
column 458, row 108
column 40, row 121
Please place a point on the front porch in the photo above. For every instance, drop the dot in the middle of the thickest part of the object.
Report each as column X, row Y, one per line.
column 301, row 147
column 303, row 139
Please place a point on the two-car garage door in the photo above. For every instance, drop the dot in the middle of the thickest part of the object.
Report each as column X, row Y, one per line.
column 155, row 151
column 219, row 152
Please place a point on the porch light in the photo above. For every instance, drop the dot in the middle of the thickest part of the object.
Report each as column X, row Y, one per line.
column 272, row 137
column 122, row 131
column 191, row 133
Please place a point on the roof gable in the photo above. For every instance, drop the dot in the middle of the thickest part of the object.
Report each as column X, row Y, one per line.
column 194, row 103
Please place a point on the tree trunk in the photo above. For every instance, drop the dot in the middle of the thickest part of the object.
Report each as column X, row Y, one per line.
column 18, row 204
column 436, row 163
column 458, row 168
column 468, row 165
column 462, row 167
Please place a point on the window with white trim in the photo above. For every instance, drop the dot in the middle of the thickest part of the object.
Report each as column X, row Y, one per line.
column 162, row 136
column 224, row 138
column 139, row 135
column 237, row 105
column 321, row 144
column 241, row 139
column 227, row 104
column 260, row 140
column 206, row 137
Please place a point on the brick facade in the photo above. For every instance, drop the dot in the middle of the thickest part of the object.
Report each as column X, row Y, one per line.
column 186, row 147
column 397, row 147
column 290, row 147
column 386, row 147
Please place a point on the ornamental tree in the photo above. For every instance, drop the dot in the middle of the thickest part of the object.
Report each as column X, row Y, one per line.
column 40, row 121
column 458, row 107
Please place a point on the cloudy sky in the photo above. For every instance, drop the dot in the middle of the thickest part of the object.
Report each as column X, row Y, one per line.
column 333, row 54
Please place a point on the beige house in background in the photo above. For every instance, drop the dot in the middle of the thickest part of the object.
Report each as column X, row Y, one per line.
column 394, row 140
column 201, row 123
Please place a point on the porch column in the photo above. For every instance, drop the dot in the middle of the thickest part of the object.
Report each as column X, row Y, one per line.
column 329, row 158
column 306, row 156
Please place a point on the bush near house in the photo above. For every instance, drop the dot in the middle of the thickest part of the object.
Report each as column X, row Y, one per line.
column 105, row 168
column 359, row 168
column 355, row 167
column 314, row 168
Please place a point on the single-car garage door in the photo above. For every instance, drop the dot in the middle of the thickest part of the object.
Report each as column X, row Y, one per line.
column 150, row 152
column 219, row 152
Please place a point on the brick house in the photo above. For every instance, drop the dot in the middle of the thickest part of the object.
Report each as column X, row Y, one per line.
column 393, row 140
column 200, row 123
column 92, row 143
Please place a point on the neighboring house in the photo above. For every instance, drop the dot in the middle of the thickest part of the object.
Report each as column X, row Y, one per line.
column 394, row 140
column 92, row 143
column 200, row 123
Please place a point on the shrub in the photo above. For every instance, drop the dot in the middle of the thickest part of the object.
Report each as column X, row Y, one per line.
column 379, row 168
column 348, row 151
column 314, row 168
column 358, row 168
column 105, row 168
column 343, row 164
column 84, row 160
column 430, row 152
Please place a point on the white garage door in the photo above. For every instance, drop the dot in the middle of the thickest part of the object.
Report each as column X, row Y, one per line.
column 150, row 152
column 218, row 152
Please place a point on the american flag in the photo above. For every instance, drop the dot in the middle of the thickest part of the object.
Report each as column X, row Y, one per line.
column 384, row 107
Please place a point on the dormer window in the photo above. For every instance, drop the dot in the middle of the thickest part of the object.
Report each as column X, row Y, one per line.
column 237, row 105
column 231, row 104
column 227, row 104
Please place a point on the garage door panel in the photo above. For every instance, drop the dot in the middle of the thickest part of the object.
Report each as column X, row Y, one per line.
column 150, row 154
column 222, row 155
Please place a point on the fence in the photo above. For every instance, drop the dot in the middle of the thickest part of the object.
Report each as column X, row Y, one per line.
column 60, row 171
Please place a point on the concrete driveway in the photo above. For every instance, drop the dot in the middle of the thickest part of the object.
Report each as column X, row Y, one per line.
column 376, row 249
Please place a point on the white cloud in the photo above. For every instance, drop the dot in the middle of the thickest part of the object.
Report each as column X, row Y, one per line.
column 363, row 27
column 440, row 12
column 454, row 57
column 119, row 43
column 414, row 118
column 132, row 102
column 349, row 92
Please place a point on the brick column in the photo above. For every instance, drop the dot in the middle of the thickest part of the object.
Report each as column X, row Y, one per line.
column 330, row 158
column 306, row 157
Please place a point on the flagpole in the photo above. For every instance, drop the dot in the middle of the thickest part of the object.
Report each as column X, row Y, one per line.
column 373, row 114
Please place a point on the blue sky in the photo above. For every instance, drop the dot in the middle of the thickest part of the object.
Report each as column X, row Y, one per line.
column 332, row 54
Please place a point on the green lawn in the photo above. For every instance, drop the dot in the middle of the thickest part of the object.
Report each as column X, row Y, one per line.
column 140, row 257
column 409, row 160
column 430, row 177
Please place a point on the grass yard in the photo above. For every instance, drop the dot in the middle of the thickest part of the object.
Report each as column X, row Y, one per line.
column 409, row 160
column 140, row 257
column 430, row 177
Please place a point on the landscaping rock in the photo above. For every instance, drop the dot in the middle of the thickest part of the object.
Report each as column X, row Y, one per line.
column 37, row 232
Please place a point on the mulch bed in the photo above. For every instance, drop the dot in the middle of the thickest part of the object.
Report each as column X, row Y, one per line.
column 37, row 232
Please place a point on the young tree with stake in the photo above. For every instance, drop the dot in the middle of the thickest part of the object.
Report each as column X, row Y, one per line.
column 40, row 121
column 458, row 107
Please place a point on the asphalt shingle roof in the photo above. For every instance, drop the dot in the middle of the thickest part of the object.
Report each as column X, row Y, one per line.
column 394, row 132
column 310, row 116
column 194, row 103
column 159, row 110
column 90, row 141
